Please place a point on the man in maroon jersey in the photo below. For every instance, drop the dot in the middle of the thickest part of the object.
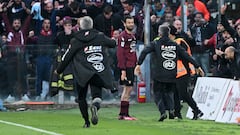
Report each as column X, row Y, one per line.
column 126, row 56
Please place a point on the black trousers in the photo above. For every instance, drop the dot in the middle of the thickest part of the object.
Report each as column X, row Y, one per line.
column 164, row 95
column 182, row 93
column 96, row 92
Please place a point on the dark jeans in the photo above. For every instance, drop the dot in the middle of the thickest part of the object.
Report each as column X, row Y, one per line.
column 43, row 65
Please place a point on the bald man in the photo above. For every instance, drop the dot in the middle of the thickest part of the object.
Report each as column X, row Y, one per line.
column 233, row 55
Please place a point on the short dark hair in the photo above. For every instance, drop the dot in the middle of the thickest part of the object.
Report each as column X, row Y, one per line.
column 198, row 13
column 74, row 5
column 129, row 2
column 173, row 30
column 127, row 17
column 107, row 9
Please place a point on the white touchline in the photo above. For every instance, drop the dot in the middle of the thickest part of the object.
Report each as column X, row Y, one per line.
column 29, row 127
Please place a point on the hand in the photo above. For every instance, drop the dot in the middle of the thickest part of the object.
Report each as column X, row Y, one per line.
column 200, row 71
column 23, row 5
column 223, row 9
column 219, row 52
column 10, row 3
column 206, row 41
column 137, row 70
column 123, row 75
column 31, row 33
column 189, row 33
column 229, row 41
column 1, row 5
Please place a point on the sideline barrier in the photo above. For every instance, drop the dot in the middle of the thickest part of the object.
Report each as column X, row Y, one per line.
column 218, row 99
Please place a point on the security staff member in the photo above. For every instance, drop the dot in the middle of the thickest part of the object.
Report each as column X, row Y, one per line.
column 90, row 66
column 184, row 70
column 166, row 52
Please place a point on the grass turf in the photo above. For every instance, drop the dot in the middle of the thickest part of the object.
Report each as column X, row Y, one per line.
column 69, row 122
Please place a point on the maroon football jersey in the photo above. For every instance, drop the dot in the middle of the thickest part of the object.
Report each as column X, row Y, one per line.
column 126, row 50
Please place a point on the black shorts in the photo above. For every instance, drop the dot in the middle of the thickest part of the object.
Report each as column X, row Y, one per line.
column 130, row 77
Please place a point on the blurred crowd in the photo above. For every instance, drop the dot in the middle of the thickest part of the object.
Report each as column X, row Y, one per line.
column 35, row 32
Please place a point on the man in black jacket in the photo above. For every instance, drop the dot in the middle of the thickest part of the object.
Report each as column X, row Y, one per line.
column 90, row 66
column 165, row 52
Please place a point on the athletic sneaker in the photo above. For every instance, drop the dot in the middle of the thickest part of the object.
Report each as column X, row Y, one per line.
column 25, row 98
column 94, row 118
column 10, row 99
column 163, row 117
column 126, row 118
column 129, row 118
column 197, row 114
column 86, row 125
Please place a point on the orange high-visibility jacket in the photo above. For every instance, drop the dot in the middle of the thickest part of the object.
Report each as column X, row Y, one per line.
column 181, row 70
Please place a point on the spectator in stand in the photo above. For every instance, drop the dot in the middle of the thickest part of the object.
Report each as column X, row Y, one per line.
column 238, row 33
column 59, row 4
column 220, row 41
column 116, row 5
column 16, row 39
column 233, row 56
column 134, row 10
column 112, row 52
column 44, row 49
column 47, row 12
column 191, row 13
column 95, row 8
column 212, row 6
column 200, row 31
column 235, row 33
column 158, row 8
column 74, row 10
column 231, row 22
column 200, row 7
column 185, row 35
column 3, row 71
column 107, row 22
column 17, row 9
column 167, row 18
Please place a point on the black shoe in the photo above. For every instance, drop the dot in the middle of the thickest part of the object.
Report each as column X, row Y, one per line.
column 114, row 90
column 86, row 125
column 163, row 117
column 171, row 115
column 53, row 92
column 76, row 100
column 197, row 114
column 94, row 118
column 178, row 116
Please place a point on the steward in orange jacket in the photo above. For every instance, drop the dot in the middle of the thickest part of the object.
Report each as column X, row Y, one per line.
column 184, row 70
column 199, row 6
